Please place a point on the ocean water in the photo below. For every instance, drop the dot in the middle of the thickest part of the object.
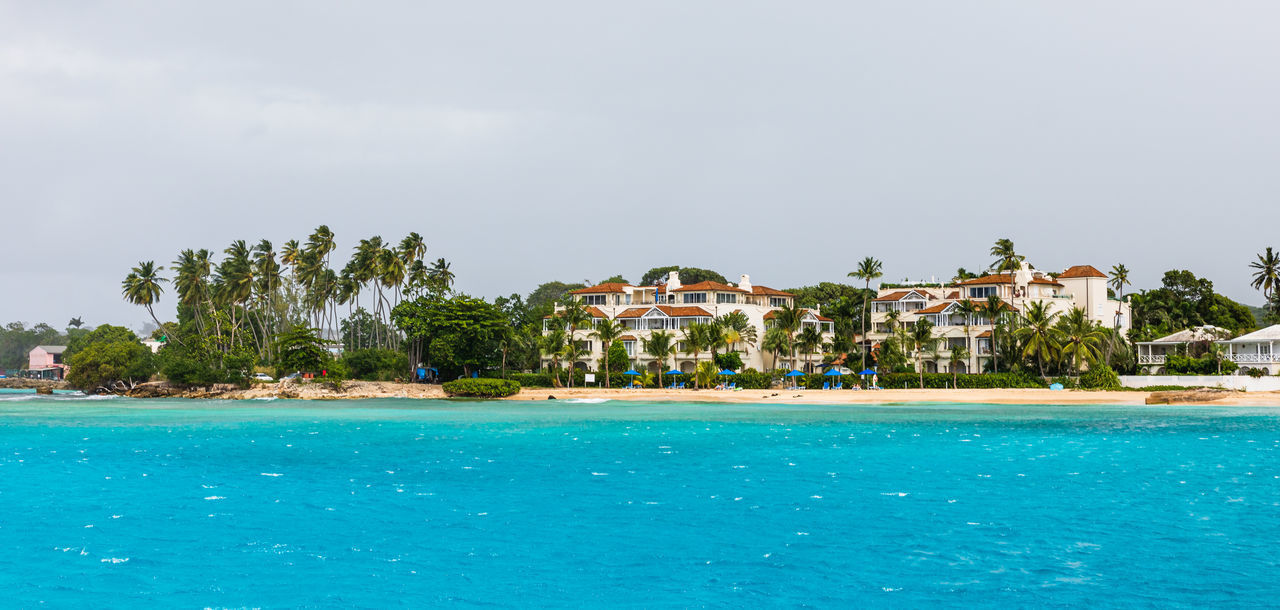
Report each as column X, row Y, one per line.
column 400, row 503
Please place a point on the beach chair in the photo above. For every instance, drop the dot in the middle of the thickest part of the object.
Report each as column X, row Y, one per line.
column 840, row 385
column 681, row 385
column 733, row 386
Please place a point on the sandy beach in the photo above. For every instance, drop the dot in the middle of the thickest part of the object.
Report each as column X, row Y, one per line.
column 864, row 397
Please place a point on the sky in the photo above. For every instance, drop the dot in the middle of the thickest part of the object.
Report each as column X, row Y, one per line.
column 537, row 141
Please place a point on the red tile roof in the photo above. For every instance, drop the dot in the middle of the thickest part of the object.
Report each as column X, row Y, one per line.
column 1081, row 271
column 674, row 312
column 1004, row 278
column 594, row 311
column 708, row 285
column 602, row 288
column 626, row 338
column 765, row 290
column 933, row 308
column 986, row 334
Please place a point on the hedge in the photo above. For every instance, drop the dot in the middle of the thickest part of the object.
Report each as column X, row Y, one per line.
column 975, row 381
column 482, row 388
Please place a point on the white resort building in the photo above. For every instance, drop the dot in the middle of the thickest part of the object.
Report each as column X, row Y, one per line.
column 1256, row 350
column 1081, row 286
column 672, row 306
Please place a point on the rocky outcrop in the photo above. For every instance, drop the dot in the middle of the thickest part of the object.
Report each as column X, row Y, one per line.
column 1183, row 397
column 14, row 383
column 291, row 389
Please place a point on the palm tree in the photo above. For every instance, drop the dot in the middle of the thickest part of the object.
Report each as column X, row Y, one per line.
column 967, row 309
column 737, row 329
column 868, row 269
column 698, row 337
column 1081, row 338
column 1267, row 275
column 1119, row 279
column 413, row 248
column 776, row 342
column 958, row 356
column 808, row 341
column 1006, row 258
column 1039, row 334
column 574, row 316
column 143, row 287
column 994, row 307
column 659, row 345
column 921, row 339
column 440, row 275
column 572, row 353
column 552, row 344
column 608, row 331
column 789, row 318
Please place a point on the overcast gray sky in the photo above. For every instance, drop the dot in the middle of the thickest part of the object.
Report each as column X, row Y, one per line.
column 531, row 141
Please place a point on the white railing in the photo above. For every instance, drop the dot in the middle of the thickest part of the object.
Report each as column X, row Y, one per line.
column 1260, row 358
column 1151, row 359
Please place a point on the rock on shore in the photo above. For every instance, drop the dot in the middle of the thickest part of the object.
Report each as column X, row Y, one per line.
column 292, row 389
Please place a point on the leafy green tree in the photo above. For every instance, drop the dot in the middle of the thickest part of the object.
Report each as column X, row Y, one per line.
column 462, row 330
column 728, row 360
column 110, row 358
column 374, row 364
column 17, row 341
column 616, row 279
column 688, row 275
column 868, row 269
column 543, row 298
column 300, row 350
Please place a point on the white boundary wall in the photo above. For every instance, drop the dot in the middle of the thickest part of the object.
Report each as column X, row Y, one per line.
column 1230, row 382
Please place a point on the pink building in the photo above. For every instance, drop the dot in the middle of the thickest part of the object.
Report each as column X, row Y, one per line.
column 46, row 361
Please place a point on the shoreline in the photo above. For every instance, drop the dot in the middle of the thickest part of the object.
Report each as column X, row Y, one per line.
column 356, row 390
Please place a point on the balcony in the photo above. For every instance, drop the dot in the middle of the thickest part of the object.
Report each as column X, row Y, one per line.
column 1151, row 359
column 1255, row 358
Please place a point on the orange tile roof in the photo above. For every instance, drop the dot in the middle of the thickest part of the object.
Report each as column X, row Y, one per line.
column 765, row 290
column 708, row 285
column 593, row 310
column 955, row 296
column 626, row 338
column 1004, row 306
column 771, row 315
column 994, row 278
column 1081, row 271
column 674, row 312
column 933, row 308
column 601, row 288
column 986, row 334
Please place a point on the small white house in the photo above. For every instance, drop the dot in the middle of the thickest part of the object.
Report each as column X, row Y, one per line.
column 1152, row 354
column 1256, row 350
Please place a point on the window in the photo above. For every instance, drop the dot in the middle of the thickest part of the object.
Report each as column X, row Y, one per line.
column 982, row 292
column 631, row 347
column 777, row 301
column 723, row 297
column 695, row 297
column 593, row 299
column 584, row 345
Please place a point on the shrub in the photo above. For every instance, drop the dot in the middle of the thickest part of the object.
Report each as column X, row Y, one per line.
column 543, row 380
column 481, row 388
column 1100, row 377
column 729, row 360
column 1177, row 364
column 1257, row 373
column 752, row 379
column 373, row 364
column 619, row 361
column 971, row 381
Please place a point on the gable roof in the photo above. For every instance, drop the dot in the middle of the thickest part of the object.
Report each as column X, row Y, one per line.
column 1270, row 333
column 602, row 288
column 593, row 310
column 1081, row 271
column 937, row 308
column 1199, row 333
column 899, row 295
column 668, row 310
column 765, row 290
column 52, row 349
column 1005, row 278
column 708, row 285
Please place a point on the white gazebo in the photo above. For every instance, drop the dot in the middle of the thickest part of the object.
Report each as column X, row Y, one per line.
column 1152, row 354
column 1256, row 350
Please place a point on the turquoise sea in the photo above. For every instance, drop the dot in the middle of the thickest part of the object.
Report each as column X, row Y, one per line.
column 401, row 503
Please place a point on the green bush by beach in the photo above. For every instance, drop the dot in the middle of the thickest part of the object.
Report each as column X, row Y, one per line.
column 944, row 380
column 1100, row 377
column 481, row 388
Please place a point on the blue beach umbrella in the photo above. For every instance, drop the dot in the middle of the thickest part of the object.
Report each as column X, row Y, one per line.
column 794, row 374
column 631, row 372
column 674, row 372
column 832, row 373
column 867, row 372
column 727, row 372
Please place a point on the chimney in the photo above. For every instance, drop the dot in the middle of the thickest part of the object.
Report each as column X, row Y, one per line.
column 673, row 280
column 745, row 282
